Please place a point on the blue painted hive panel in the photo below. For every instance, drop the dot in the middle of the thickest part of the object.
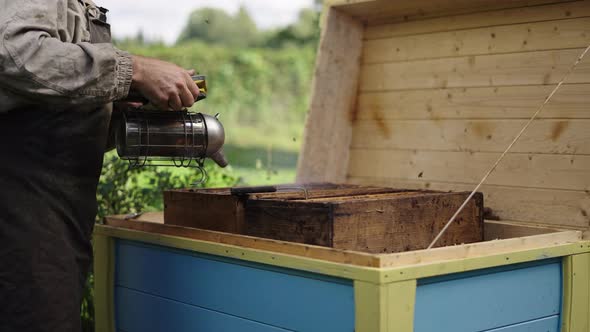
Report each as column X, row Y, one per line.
column 547, row 324
column 140, row 309
column 518, row 298
column 157, row 286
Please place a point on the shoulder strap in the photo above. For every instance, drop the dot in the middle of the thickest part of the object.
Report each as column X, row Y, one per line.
column 94, row 11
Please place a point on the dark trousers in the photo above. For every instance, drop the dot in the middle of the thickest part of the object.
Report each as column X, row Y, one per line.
column 50, row 162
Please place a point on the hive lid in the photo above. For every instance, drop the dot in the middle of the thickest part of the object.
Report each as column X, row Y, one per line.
column 427, row 94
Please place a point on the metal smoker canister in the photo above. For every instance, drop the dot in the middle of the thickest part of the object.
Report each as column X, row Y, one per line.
column 151, row 137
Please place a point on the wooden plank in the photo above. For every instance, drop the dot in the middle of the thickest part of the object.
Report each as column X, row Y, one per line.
column 401, row 306
column 576, row 293
column 104, row 282
column 395, row 267
column 315, row 252
column 277, row 259
column 153, row 217
column 328, row 128
column 389, row 222
column 515, row 256
column 385, row 307
column 379, row 11
column 217, row 212
column 547, row 324
column 137, row 311
column 289, row 248
column 342, row 190
column 530, row 68
column 567, row 271
column 489, row 299
column 557, row 208
column 309, row 223
column 538, row 36
column 510, row 102
column 476, row 250
column 270, row 295
column 407, row 223
column 564, row 136
column 370, row 306
column 579, row 319
column 544, row 171
column 480, row 19
column 499, row 230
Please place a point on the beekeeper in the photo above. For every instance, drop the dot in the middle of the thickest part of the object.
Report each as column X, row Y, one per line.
column 59, row 76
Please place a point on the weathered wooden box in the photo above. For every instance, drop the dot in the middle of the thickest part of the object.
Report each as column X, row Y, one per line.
column 369, row 219
column 421, row 94
column 216, row 209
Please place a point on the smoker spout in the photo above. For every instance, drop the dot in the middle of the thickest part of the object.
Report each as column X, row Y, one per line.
column 219, row 158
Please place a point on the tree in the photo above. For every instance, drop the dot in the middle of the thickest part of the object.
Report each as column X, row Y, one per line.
column 305, row 31
column 215, row 26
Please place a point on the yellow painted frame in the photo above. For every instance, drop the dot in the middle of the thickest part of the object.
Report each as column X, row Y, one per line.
column 104, row 282
column 385, row 307
column 576, row 293
column 384, row 297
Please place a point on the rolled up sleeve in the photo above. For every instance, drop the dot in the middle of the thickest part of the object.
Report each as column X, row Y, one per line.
column 38, row 61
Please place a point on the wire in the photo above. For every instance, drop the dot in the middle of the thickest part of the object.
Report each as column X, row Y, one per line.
column 493, row 168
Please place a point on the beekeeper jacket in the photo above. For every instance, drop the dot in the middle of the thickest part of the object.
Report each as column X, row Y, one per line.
column 58, row 76
column 47, row 56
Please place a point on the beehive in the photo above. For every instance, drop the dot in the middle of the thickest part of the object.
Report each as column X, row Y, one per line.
column 409, row 94
column 359, row 218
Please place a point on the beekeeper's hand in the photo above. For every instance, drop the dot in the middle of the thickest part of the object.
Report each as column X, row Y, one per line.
column 164, row 84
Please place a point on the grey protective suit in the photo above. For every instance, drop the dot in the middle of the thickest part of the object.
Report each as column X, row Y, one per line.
column 58, row 75
column 46, row 56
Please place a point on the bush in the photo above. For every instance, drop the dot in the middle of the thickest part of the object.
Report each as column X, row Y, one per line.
column 122, row 190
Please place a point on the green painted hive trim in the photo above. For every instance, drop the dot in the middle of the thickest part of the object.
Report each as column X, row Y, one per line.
column 155, row 225
column 375, row 275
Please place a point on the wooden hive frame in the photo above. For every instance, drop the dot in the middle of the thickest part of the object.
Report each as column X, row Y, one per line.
column 427, row 94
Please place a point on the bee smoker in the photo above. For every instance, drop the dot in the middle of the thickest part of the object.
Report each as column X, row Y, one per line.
column 170, row 138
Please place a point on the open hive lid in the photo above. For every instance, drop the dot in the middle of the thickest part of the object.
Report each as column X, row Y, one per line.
column 427, row 94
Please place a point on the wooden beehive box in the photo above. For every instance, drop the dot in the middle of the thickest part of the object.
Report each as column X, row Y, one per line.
column 367, row 219
column 427, row 94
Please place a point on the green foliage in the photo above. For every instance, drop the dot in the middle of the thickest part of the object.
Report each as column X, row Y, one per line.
column 304, row 32
column 215, row 26
column 87, row 309
column 252, row 87
column 125, row 190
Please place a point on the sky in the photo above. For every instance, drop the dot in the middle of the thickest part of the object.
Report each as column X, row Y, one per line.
column 163, row 20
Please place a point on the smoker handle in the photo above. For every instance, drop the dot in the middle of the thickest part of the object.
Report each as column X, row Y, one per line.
column 136, row 97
